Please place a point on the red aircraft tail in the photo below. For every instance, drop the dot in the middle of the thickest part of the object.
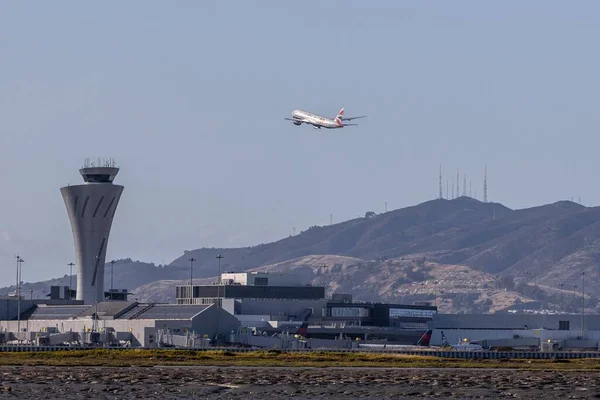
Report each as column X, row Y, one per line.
column 424, row 340
column 303, row 329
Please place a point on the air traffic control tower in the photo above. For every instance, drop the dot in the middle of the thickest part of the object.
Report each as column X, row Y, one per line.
column 91, row 208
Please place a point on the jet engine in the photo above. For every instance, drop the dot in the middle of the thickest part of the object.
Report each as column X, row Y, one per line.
column 298, row 123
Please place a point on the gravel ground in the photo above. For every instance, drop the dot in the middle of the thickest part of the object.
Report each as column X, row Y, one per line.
column 282, row 383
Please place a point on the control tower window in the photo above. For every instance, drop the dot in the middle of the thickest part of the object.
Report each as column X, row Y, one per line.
column 101, row 178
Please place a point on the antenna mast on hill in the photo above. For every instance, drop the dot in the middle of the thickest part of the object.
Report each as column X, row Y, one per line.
column 485, row 199
column 440, row 194
column 386, row 206
column 452, row 189
column 457, row 183
column 464, row 184
column 470, row 189
column 447, row 189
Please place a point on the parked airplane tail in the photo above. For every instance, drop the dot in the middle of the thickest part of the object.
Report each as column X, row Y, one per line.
column 303, row 329
column 424, row 340
column 338, row 119
column 445, row 340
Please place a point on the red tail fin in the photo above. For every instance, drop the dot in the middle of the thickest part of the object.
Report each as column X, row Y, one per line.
column 303, row 329
column 424, row 340
column 338, row 119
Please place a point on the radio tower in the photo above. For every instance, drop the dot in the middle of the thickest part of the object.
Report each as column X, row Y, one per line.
column 465, row 185
column 485, row 199
column 440, row 195
column 457, row 183
column 452, row 189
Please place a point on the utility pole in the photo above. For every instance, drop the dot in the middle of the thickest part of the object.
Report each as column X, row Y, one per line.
column 191, row 260
column 70, row 279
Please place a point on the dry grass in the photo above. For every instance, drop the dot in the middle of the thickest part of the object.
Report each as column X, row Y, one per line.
column 136, row 357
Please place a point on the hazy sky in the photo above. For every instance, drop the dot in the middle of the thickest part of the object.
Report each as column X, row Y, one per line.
column 190, row 96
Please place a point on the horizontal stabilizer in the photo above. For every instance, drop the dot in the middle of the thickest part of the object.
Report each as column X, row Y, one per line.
column 351, row 118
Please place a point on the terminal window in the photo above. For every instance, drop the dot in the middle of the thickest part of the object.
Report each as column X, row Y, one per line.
column 260, row 281
column 409, row 312
column 563, row 325
column 356, row 312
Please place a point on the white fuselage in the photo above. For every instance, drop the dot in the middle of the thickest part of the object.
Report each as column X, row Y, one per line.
column 315, row 120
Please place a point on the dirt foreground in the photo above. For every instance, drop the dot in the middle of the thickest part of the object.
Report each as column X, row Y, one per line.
column 283, row 383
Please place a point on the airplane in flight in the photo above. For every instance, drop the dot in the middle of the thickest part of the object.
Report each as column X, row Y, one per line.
column 300, row 117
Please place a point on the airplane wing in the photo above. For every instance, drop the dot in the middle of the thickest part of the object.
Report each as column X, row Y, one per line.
column 350, row 124
column 351, row 118
column 296, row 121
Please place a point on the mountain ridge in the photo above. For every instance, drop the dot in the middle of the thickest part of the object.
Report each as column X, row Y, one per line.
column 380, row 256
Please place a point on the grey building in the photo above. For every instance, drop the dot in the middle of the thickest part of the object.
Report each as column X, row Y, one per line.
column 277, row 302
column 137, row 324
column 91, row 208
column 517, row 330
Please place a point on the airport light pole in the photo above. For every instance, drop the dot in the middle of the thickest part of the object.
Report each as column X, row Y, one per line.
column 112, row 268
column 70, row 279
column 526, row 273
column 20, row 261
column 219, row 258
column 575, row 288
column 191, row 260
column 27, row 327
column 582, row 303
column 561, row 286
column 435, row 292
column 96, row 296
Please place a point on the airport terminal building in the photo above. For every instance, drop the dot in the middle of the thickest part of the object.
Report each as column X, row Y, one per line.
column 249, row 296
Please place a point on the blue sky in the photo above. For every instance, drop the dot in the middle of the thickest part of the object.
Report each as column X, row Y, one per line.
column 189, row 97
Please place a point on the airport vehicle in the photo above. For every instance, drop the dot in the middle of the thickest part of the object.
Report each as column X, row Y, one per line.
column 300, row 117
